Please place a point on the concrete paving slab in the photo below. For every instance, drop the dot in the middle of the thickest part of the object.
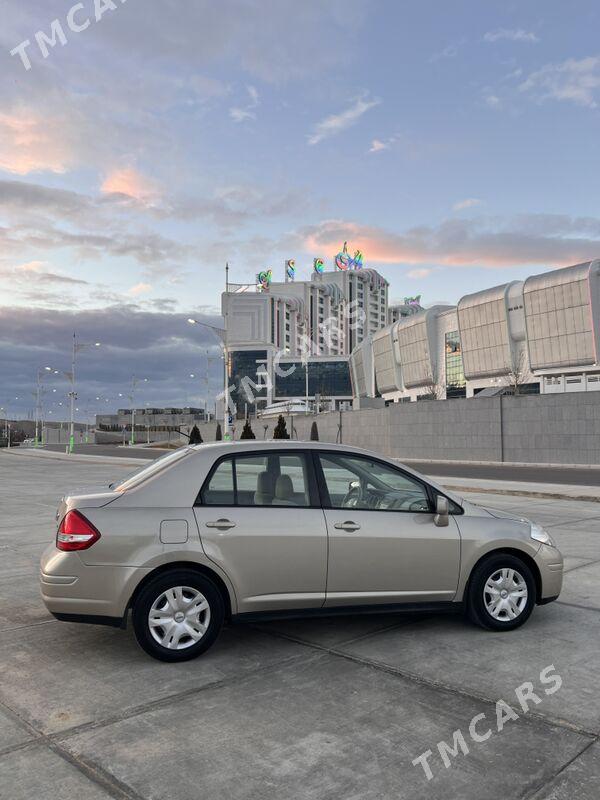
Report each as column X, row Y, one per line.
column 37, row 772
column 107, row 671
column 12, row 731
column 322, row 728
column 330, row 631
column 450, row 651
column 20, row 602
column 15, row 562
column 112, row 684
column 582, row 586
column 589, row 524
column 572, row 562
column 579, row 781
column 581, row 544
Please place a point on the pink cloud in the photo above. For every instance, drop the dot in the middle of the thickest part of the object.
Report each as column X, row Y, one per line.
column 140, row 288
column 132, row 184
column 30, row 142
column 549, row 240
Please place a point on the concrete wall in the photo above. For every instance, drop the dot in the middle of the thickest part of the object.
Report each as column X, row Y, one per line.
column 556, row 429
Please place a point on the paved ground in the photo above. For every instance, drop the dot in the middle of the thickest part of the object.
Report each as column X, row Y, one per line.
column 332, row 709
column 536, row 474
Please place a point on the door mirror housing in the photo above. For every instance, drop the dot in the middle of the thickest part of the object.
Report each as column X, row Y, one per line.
column 442, row 511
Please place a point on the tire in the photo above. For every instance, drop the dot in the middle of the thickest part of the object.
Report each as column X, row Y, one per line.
column 192, row 609
column 501, row 573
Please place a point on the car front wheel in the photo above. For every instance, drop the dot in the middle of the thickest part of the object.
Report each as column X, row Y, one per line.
column 502, row 593
column 178, row 615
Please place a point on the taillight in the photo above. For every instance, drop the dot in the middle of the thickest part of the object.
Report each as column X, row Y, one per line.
column 75, row 532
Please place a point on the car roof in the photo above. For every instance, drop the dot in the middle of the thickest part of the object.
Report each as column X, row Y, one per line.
column 286, row 444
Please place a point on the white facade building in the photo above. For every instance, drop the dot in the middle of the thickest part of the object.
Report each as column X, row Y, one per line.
column 538, row 335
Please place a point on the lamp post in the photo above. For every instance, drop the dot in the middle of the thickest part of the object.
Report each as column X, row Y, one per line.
column 42, row 371
column 134, row 383
column 222, row 334
column 4, row 409
column 209, row 358
column 77, row 348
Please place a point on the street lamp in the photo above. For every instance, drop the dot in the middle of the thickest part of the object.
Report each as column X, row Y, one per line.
column 6, row 425
column 134, row 383
column 77, row 348
column 222, row 335
column 41, row 373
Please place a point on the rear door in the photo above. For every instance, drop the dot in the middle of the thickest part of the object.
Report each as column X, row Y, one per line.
column 383, row 544
column 260, row 520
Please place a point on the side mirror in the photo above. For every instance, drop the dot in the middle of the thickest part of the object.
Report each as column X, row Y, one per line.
column 442, row 509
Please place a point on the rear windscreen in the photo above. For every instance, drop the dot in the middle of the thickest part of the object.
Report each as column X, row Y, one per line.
column 150, row 470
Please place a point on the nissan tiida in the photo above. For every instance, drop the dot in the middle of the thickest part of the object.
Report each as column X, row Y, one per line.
column 246, row 530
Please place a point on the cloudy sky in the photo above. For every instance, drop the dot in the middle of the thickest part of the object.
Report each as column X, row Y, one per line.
column 455, row 143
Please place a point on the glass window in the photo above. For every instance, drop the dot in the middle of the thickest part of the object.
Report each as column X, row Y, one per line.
column 272, row 479
column 366, row 485
column 247, row 364
column 220, row 489
column 455, row 376
column 149, row 471
column 327, row 378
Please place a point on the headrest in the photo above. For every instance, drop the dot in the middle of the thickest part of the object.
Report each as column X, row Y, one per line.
column 264, row 482
column 284, row 488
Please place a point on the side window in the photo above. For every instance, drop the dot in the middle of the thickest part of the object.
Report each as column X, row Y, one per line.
column 272, row 480
column 366, row 485
column 219, row 491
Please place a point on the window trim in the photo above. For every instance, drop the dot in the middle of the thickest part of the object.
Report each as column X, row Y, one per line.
column 313, row 491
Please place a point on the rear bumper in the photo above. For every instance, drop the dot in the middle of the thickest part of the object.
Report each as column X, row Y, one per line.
column 72, row 590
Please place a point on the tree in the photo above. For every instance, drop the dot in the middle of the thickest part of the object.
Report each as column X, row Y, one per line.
column 280, row 431
column 247, row 432
column 195, row 436
column 314, row 432
column 433, row 389
column 517, row 375
column 219, row 433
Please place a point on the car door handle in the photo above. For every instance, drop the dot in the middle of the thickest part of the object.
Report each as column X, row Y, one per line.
column 221, row 524
column 347, row 526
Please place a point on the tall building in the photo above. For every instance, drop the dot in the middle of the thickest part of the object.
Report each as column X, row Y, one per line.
column 273, row 326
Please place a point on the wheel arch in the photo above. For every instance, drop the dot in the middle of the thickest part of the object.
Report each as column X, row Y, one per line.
column 511, row 551
column 202, row 569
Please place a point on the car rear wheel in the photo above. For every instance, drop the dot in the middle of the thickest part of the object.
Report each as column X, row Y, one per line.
column 178, row 615
column 501, row 593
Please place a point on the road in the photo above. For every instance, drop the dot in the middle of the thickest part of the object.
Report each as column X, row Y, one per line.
column 533, row 474
column 108, row 450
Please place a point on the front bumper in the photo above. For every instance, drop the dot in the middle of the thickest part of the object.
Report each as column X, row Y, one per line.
column 72, row 589
column 550, row 563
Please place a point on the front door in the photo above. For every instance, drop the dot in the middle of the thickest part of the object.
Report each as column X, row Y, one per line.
column 260, row 520
column 383, row 544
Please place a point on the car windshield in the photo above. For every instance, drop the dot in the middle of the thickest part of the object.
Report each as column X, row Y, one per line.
column 150, row 470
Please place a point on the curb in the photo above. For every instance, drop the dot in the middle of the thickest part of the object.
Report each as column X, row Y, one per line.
column 117, row 460
column 498, row 463
column 522, row 493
